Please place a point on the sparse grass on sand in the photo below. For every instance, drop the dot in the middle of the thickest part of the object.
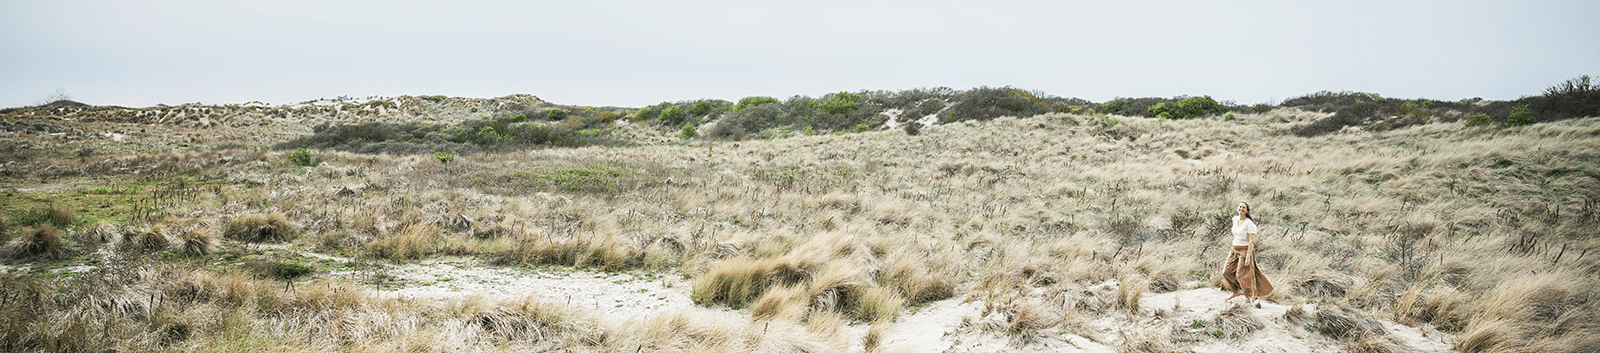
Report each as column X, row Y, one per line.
column 1483, row 234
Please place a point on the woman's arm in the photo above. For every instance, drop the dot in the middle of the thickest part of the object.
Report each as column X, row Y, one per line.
column 1250, row 256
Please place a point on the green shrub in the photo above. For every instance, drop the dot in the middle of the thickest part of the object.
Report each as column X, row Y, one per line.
column 444, row 157
column 1228, row 117
column 643, row 114
column 1113, row 106
column 557, row 114
column 689, row 132
column 285, row 271
column 839, row 103
column 259, row 228
column 1186, row 108
column 701, row 108
column 747, row 102
column 301, row 157
column 1520, row 116
column 673, row 115
column 598, row 179
column 435, row 99
column 860, row 128
column 1479, row 119
column 1260, row 108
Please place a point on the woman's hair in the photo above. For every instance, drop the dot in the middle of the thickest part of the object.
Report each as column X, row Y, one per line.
column 1247, row 210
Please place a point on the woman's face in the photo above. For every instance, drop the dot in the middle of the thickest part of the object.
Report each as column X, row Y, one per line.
column 1243, row 208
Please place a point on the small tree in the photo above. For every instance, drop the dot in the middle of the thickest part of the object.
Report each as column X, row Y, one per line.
column 689, row 132
column 1520, row 116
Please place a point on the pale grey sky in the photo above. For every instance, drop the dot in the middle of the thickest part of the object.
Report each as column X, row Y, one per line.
column 635, row 53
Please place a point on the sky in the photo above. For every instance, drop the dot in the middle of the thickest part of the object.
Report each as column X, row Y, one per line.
column 636, row 53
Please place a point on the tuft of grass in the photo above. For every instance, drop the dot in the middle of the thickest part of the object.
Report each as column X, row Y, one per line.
column 260, row 228
column 879, row 304
column 40, row 240
column 415, row 241
column 198, row 242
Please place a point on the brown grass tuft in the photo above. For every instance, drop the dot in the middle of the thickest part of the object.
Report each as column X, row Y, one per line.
column 198, row 242
column 261, row 228
column 415, row 241
column 39, row 240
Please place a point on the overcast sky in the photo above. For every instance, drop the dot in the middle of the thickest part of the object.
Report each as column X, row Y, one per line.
column 635, row 53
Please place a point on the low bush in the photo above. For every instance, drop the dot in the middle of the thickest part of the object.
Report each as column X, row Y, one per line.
column 689, row 132
column 1479, row 119
column 301, row 158
column 444, row 157
column 287, row 271
column 557, row 114
column 259, row 228
column 504, row 133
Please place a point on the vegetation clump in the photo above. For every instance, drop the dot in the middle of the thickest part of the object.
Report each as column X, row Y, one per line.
column 260, row 228
column 40, row 240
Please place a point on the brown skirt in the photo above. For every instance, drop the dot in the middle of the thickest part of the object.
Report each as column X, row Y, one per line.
column 1243, row 278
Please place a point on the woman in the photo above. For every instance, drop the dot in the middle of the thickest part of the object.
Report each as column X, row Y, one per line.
column 1240, row 274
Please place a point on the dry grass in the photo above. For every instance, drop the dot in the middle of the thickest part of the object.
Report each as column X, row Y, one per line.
column 1477, row 232
column 260, row 228
column 40, row 240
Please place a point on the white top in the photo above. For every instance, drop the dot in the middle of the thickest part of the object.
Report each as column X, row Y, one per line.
column 1241, row 231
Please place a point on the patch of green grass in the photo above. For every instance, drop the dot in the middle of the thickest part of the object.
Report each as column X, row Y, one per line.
column 597, row 179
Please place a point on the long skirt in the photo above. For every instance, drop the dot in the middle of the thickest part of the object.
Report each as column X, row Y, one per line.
column 1244, row 278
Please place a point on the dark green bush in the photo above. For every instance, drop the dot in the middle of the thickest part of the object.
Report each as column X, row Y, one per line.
column 984, row 103
column 557, row 114
column 748, row 121
column 1114, row 106
column 1260, row 108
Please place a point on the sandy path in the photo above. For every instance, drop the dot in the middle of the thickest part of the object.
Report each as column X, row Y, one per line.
column 618, row 295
